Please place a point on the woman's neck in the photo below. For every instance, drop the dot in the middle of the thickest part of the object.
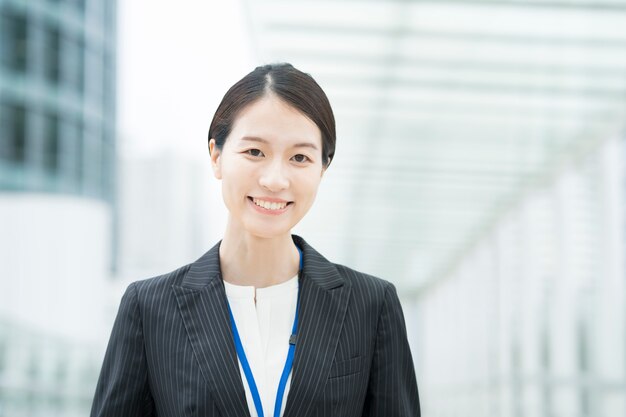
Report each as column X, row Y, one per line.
column 260, row 262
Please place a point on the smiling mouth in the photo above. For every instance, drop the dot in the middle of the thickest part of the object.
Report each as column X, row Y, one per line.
column 269, row 205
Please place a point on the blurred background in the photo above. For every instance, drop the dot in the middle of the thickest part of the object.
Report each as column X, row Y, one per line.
column 479, row 167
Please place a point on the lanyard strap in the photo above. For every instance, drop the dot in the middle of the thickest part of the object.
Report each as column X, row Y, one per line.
column 288, row 363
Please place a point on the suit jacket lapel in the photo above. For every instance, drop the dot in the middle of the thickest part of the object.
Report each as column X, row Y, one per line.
column 202, row 303
column 323, row 302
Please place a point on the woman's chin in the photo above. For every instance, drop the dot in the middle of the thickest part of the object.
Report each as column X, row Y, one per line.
column 268, row 232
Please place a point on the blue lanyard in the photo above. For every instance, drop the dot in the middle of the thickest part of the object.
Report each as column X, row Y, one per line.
column 288, row 363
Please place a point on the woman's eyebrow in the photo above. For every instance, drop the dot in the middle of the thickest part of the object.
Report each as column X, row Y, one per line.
column 254, row 139
column 305, row 145
column 296, row 145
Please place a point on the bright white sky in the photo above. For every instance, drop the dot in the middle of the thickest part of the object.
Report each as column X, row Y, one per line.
column 176, row 61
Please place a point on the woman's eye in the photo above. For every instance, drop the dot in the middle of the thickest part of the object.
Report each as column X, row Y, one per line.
column 254, row 152
column 300, row 158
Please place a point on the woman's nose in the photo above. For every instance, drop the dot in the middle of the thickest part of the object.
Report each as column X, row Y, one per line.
column 274, row 177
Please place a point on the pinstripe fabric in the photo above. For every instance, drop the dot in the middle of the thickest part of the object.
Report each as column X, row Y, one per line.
column 171, row 351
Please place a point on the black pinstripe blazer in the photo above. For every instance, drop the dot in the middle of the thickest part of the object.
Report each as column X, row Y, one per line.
column 171, row 351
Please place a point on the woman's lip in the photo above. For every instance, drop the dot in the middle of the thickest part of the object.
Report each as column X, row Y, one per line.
column 268, row 211
column 270, row 199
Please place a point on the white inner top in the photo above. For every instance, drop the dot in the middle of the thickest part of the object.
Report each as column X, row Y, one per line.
column 264, row 328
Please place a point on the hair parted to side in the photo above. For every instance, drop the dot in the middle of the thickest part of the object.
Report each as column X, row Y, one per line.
column 295, row 87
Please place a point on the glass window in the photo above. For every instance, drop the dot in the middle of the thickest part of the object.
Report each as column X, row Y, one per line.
column 583, row 366
column 107, row 174
column 108, row 81
column 73, row 69
column 13, row 34
column 61, row 371
column 51, row 142
column 13, row 130
column 6, row 148
column 52, row 57
column 33, row 366
column 94, row 63
column 92, row 139
column 3, row 351
column 80, row 159
column 78, row 5
column 73, row 138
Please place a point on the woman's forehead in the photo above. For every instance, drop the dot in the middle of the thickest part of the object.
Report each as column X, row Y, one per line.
column 270, row 121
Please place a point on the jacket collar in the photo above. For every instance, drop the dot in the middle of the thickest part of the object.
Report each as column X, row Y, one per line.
column 323, row 300
column 206, row 270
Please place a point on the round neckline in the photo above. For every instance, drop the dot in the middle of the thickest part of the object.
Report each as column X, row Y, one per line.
column 249, row 291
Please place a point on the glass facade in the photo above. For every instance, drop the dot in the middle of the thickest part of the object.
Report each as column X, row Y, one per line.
column 57, row 136
column 57, row 97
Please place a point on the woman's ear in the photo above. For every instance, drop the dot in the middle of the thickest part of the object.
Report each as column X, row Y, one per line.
column 216, row 160
column 324, row 168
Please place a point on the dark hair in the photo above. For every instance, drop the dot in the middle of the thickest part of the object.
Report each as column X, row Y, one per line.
column 293, row 86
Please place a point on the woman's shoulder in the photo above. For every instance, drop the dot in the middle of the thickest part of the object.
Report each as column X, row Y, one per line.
column 361, row 281
column 356, row 279
column 160, row 284
column 368, row 292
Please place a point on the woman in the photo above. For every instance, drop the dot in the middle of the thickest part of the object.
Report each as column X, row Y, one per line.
column 262, row 324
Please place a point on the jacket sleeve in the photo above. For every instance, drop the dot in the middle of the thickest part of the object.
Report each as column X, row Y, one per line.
column 122, row 389
column 392, row 389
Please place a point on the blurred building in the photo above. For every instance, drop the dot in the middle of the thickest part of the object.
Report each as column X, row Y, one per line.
column 164, row 213
column 57, row 188
column 530, row 321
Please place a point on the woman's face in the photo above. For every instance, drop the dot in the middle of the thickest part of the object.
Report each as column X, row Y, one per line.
column 270, row 167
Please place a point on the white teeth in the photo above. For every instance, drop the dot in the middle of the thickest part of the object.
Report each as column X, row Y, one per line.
column 269, row 205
